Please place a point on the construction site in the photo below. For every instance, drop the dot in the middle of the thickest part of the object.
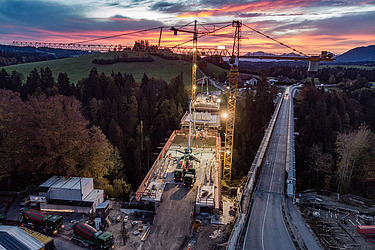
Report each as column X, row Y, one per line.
column 180, row 201
column 185, row 180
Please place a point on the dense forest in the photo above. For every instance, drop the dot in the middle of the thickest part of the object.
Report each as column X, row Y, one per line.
column 106, row 108
column 296, row 71
column 253, row 113
column 335, row 145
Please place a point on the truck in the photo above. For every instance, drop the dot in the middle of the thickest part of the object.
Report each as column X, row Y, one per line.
column 366, row 230
column 38, row 221
column 87, row 236
column 189, row 177
column 180, row 170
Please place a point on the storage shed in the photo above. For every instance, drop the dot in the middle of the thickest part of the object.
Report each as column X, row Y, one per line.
column 74, row 194
column 73, row 188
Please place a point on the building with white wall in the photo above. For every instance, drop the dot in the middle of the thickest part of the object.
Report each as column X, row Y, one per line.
column 73, row 194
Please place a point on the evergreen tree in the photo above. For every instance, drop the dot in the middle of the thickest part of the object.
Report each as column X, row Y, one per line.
column 17, row 83
column 47, row 80
column 64, row 85
column 5, row 82
column 33, row 82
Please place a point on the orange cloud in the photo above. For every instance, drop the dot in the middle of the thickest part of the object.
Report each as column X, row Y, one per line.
column 254, row 7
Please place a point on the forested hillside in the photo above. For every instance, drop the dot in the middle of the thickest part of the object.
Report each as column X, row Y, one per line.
column 335, row 145
column 114, row 105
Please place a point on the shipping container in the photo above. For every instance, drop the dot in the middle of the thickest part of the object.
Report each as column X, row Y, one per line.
column 366, row 230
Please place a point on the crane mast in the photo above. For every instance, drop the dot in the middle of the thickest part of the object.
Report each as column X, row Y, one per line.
column 194, row 54
column 194, row 67
column 231, row 106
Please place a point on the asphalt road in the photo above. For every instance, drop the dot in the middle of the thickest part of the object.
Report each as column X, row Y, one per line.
column 267, row 229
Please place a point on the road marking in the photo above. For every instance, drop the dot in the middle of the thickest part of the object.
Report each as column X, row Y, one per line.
column 268, row 198
column 269, row 189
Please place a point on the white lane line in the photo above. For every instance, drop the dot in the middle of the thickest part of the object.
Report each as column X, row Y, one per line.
column 269, row 191
column 265, row 212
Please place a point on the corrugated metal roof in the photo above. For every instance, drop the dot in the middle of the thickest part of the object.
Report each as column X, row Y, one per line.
column 76, row 183
column 13, row 238
column 44, row 239
column 8, row 242
column 102, row 205
column 51, row 181
column 60, row 183
column 93, row 195
column 70, row 183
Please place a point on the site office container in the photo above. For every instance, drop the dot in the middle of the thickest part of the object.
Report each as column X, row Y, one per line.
column 366, row 230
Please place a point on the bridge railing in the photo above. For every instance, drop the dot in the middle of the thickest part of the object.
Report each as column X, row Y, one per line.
column 247, row 194
column 290, row 157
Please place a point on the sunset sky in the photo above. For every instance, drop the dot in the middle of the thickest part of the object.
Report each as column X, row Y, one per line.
column 308, row 26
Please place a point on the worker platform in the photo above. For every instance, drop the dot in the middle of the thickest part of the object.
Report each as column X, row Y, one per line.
column 204, row 145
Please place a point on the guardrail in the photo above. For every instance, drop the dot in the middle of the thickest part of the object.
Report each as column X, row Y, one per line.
column 290, row 157
column 247, row 194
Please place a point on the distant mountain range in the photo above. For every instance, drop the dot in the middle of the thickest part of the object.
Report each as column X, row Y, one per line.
column 261, row 53
column 47, row 53
column 359, row 54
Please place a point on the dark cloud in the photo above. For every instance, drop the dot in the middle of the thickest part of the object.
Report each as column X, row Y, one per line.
column 113, row 4
column 223, row 2
column 355, row 23
column 169, row 7
column 250, row 14
column 38, row 15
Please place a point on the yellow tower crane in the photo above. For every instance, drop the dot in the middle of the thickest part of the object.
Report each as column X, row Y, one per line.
column 233, row 81
column 194, row 52
column 232, row 98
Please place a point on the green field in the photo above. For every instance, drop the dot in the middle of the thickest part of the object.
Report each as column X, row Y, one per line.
column 79, row 67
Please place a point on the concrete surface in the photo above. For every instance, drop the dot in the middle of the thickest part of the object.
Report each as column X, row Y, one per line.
column 173, row 220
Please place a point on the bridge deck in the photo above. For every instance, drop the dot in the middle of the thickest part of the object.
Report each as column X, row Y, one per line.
column 174, row 217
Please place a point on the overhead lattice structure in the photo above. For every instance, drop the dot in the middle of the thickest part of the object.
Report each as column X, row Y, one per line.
column 232, row 98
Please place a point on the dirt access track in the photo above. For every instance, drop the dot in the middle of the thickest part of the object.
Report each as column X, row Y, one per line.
column 173, row 221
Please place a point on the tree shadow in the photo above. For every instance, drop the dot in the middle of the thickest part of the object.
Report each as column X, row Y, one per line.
column 180, row 193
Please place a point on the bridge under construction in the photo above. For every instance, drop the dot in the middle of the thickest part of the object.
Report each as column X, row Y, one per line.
column 173, row 202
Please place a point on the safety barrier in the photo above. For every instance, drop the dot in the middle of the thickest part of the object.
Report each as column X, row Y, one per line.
column 290, row 157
